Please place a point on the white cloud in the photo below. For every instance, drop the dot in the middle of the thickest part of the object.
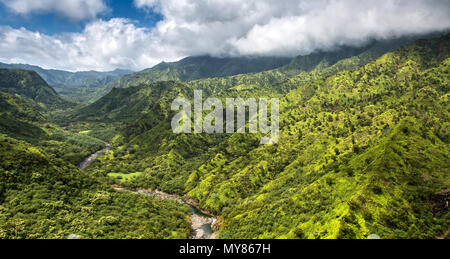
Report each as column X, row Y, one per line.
column 225, row 27
column 73, row 9
column 291, row 27
column 103, row 45
column 344, row 23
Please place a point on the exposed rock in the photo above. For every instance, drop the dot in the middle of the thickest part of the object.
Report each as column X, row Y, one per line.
column 199, row 234
column 74, row 236
column 441, row 202
column 374, row 236
column 199, row 221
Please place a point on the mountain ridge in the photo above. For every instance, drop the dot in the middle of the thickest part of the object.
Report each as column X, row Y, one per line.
column 193, row 68
column 30, row 85
column 274, row 83
column 63, row 77
column 78, row 86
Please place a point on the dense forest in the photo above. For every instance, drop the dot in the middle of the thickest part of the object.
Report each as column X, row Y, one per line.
column 363, row 149
column 45, row 197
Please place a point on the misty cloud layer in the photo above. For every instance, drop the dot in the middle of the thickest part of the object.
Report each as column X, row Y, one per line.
column 224, row 28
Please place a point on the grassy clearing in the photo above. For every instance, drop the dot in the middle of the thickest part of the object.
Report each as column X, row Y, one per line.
column 125, row 177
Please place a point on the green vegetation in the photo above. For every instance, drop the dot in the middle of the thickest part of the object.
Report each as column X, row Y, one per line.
column 147, row 143
column 43, row 194
column 124, row 177
column 153, row 101
column 363, row 148
column 359, row 153
column 20, row 120
column 44, row 197
column 193, row 68
column 102, row 131
column 30, row 85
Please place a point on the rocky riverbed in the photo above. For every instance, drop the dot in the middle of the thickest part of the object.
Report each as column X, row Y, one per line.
column 201, row 221
column 90, row 159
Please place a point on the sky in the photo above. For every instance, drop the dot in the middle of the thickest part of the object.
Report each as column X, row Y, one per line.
column 103, row 35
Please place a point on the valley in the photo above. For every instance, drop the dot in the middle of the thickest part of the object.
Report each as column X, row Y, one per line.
column 363, row 148
column 200, row 220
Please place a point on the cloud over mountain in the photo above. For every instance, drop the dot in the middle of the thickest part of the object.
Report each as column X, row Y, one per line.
column 291, row 27
column 225, row 28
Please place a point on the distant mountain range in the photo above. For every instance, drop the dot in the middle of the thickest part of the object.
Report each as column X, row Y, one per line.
column 139, row 93
column 79, row 86
column 90, row 86
column 193, row 68
column 60, row 77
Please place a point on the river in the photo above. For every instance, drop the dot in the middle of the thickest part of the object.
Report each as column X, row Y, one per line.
column 87, row 162
column 201, row 221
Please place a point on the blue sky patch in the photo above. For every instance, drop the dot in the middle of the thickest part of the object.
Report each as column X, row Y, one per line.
column 52, row 23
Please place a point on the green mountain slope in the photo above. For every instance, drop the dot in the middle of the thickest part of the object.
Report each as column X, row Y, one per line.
column 87, row 86
column 31, row 86
column 16, row 107
column 363, row 146
column 60, row 77
column 18, row 118
column 130, row 104
column 381, row 190
column 21, row 120
column 193, row 68
column 378, row 132
column 146, row 110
